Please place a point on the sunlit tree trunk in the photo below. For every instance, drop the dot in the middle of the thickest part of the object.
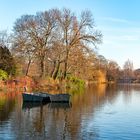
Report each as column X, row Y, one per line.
column 53, row 68
column 56, row 70
column 28, row 66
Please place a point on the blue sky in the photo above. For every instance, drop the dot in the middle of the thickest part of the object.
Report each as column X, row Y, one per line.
column 119, row 21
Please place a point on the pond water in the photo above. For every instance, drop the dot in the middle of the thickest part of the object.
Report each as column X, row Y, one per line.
column 97, row 113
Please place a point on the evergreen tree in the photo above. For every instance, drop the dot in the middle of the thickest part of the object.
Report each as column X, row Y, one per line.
column 6, row 60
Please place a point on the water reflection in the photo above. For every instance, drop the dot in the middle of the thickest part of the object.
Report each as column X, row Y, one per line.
column 7, row 104
column 47, row 121
column 95, row 113
column 60, row 105
column 30, row 105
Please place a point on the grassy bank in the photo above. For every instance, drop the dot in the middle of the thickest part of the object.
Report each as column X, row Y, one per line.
column 69, row 85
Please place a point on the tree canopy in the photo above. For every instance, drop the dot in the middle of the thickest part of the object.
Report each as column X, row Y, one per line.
column 54, row 40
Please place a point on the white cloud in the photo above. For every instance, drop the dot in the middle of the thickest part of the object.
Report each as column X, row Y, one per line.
column 122, row 38
column 126, row 30
column 130, row 37
column 121, row 35
column 115, row 19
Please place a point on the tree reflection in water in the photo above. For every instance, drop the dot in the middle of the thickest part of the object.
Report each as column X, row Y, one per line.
column 60, row 121
column 7, row 104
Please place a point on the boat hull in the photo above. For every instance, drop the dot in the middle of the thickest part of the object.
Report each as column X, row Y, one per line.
column 31, row 98
column 45, row 97
column 60, row 98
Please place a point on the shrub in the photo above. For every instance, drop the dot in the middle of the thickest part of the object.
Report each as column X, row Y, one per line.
column 76, row 80
column 3, row 75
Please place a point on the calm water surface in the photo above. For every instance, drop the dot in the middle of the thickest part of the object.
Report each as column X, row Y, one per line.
column 98, row 113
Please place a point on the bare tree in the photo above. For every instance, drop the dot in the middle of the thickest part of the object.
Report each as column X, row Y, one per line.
column 128, row 69
column 112, row 71
column 76, row 33
column 4, row 38
column 58, row 40
column 37, row 33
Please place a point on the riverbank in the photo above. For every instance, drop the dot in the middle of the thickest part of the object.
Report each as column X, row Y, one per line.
column 49, row 85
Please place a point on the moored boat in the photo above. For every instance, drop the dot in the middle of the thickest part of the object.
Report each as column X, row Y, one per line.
column 31, row 97
column 45, row 97
column 60, row 97
column 35, row 97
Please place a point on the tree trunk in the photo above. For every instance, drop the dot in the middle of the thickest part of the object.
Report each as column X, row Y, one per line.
column 65, row 69
column 65, row 65
column 53, row 69
column 56, row 71
column 28, row 66
column 42, row 67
